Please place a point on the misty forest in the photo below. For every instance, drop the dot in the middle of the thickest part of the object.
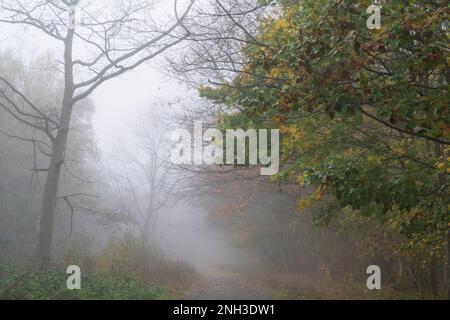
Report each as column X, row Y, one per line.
column 92, row 92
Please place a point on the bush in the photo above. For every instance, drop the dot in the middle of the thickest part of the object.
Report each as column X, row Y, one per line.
column 129, row 256
column 290, row 286
column 52, row 286
column 124, row 269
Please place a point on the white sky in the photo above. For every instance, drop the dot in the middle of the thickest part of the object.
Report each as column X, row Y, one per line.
column 119, row 102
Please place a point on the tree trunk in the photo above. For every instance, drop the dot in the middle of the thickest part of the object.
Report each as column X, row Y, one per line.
column 439, row 150
column 448, row 265
column 46, row 226
column 434, row 277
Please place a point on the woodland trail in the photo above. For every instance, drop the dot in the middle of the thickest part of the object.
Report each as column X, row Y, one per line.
column 227, row 286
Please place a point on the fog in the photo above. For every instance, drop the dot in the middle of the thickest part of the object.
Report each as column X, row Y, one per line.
column 186, row 233
column 89, row 177
column 183, row 232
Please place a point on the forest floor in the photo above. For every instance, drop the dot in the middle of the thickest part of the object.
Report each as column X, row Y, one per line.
column 220, row 285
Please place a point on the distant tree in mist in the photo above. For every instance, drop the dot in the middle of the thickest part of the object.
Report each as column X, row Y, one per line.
column 107, row 41
column 24, row 148
column 147, row 182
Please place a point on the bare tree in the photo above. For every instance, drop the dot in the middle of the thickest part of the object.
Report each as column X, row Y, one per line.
column 144, row 175
column 220, row 33
column 109, row 40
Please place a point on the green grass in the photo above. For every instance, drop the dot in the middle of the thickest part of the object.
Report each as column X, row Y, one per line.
column 52, row 286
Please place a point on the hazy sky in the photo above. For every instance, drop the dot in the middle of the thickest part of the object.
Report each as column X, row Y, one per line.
column 119, row 102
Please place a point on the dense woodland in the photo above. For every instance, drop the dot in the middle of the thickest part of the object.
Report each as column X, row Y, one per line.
column 364, row 158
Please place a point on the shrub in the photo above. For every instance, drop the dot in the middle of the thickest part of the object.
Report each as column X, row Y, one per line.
column 127, row 255
column 52, row 286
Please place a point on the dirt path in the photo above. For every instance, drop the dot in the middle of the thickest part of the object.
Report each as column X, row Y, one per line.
column 227, row 286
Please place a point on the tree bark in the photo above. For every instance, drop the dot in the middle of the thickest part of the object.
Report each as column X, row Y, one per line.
column 434, row 277
column 439, row 150
column 448, row 265
column 46, row 226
